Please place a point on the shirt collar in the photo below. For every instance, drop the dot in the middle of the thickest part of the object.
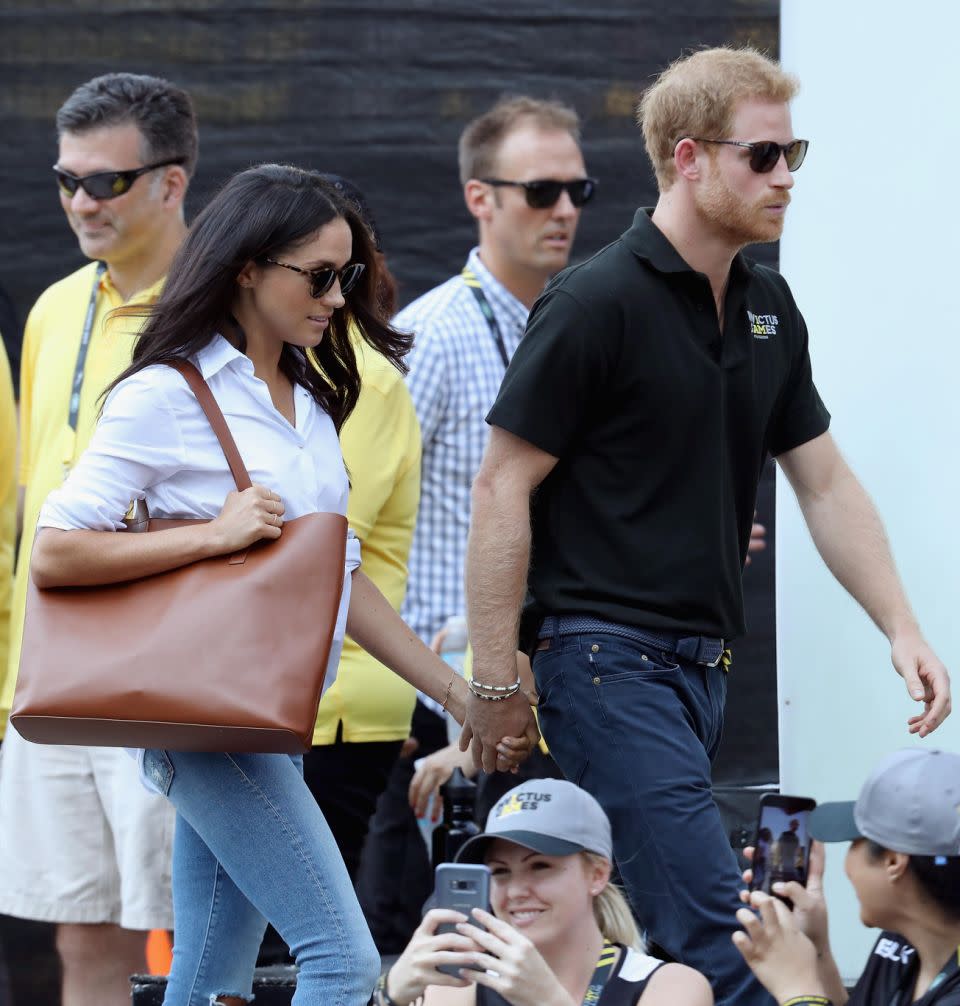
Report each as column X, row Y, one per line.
column 146, row 296
column 503, row 302
column 219, row 353
column 649, row 243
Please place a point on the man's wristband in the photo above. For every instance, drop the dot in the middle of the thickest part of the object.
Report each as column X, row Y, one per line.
column 795, row 1001
column 511, row 688
column 493, row 693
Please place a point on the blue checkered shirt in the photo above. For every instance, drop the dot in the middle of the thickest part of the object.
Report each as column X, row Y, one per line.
column 455, row 374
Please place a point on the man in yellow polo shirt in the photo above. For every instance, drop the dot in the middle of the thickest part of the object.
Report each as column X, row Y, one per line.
column 82, row 843
column 8, row 503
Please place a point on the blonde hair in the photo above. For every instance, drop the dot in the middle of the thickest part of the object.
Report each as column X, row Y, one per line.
column 612, row 912
column 697, row 96
column 480, row 142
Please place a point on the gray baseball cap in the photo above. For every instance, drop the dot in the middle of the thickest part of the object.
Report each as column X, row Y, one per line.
column 910, row 803
column 551, row 816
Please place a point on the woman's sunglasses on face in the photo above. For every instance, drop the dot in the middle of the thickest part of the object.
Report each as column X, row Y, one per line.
column 544, row 192
column 764, row 154
column 321, row 280
column 105, row 184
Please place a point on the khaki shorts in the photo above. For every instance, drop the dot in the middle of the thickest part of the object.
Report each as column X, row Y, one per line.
column 81, row 839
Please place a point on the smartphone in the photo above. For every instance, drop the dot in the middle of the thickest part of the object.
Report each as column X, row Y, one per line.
column 462, row 887
column 782, row 842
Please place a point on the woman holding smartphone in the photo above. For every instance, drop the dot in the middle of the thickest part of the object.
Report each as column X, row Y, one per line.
column 560, row 933
column 276, row 265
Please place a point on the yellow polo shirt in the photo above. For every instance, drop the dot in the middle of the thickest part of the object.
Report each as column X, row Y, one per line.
column 381, row 448
column 8, row 502
column 50, row 342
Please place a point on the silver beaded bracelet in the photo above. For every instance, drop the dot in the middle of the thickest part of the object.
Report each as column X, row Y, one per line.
column 508, row 692
column 496, row 688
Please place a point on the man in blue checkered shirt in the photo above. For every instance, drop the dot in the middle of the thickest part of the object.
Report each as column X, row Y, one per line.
column 524, row 181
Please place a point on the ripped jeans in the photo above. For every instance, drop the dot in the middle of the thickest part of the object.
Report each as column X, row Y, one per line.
column 251, row 845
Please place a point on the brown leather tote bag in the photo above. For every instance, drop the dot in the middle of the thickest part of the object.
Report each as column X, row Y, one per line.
column 224, row 654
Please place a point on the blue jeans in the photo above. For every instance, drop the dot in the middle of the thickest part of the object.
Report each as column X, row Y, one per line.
column 251, row 845
column 637, row 726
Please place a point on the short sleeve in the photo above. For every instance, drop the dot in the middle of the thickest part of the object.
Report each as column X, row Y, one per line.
column 136, row 444
column 562, row 363
column 800, row 415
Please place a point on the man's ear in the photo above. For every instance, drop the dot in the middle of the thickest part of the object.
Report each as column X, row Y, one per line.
column 175, row 182
column 686, row 159
column 479, row 198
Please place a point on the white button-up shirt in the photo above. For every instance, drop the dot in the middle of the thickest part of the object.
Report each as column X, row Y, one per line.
column 153, row 442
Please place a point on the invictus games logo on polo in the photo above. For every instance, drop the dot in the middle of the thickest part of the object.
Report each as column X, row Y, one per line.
column 762, row 326
column 522, row 801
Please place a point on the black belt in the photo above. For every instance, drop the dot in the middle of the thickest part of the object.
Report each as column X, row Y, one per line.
column 705, row 650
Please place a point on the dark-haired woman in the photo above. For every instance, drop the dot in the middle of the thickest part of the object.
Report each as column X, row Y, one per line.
column 904, row 865
column 277, row 264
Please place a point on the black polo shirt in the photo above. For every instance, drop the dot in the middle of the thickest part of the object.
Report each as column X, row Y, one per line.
column 891, row 974
column 661, row 426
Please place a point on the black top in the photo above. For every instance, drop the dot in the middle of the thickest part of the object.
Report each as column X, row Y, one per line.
column 661, row 426
column 630, row 976
column 891, row 974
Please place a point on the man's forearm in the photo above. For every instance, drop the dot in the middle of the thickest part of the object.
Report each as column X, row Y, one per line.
column 498, row 555
column 850, row 537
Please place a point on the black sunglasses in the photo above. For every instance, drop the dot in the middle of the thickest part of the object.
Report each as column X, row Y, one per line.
column 322, row 279
column 764, row 154
column 106, row 184
column 544, row 192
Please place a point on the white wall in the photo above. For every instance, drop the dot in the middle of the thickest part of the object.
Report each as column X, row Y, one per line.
column 871, row 253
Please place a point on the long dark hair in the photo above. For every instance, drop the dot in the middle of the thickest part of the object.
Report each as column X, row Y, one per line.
column 261, row 213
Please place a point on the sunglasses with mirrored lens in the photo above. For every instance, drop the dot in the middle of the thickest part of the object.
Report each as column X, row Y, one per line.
column 321, row 280
column 764, row 154
column 544, row 192
column 105, row 184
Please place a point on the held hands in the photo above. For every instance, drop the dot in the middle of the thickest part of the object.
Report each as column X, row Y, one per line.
column 246, row 517
column 926, row 679
column 512, row 965
column 500, row 735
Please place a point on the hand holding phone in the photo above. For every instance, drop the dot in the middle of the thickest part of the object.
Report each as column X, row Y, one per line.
column 462, row 887
column 782, row 844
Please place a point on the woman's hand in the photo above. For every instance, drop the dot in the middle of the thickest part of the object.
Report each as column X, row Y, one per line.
column 809, row 904
column 513, row 965
column 432, row 772
column 247, row 517
column 416, row 967
column 782, row 957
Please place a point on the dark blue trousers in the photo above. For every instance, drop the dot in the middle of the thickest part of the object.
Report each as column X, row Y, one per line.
column 637, row 726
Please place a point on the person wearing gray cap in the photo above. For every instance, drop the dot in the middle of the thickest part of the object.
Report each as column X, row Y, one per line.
column 904, row 865
column 560, row 934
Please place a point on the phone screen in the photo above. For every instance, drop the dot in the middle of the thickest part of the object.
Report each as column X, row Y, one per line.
column 782, row 846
